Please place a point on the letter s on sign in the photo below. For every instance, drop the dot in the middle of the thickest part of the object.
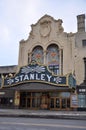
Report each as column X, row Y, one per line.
column 17, row 79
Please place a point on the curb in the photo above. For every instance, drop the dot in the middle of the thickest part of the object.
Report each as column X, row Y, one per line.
column 46, row 116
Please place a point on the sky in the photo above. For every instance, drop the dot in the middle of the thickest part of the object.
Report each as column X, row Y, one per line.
column 17, row 16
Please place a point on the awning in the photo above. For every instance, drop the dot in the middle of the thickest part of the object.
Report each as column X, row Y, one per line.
column 39, row 87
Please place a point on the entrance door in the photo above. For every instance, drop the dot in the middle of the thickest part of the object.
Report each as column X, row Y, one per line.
column 44, row 101
column 57, row 103
column 25, row 100
column 35, row 102
column 30, row 100
column 63, row 103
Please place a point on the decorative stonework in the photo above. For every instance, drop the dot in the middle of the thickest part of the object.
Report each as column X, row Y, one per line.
column 60, row 28
column 45, row 28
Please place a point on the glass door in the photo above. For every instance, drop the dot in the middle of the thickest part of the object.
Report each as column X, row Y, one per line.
column 55, row 103
column 63, row 103
column 23, row 100
column 35, row 102
column 58, row 103
column 52, row 103
column 44, row 100
column 28, row 102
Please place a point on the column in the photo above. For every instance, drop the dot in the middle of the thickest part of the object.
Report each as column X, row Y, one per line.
column 61, row 61
column 45, row 61
column 17, row 99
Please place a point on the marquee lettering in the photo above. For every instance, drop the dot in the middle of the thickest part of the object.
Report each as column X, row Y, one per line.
column 49, row 77
column 37, row 73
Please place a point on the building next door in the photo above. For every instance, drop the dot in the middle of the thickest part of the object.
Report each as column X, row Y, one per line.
column 58, row 103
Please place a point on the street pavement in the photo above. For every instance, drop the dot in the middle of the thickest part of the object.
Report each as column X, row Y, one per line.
column 77, row 115
column 23, row 123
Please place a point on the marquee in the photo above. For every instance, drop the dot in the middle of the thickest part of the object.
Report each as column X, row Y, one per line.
column 35, row 73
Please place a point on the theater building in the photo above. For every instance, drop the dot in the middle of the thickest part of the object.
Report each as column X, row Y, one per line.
column 50, row 66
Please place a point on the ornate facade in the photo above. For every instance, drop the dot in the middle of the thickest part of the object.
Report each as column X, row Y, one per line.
column 62, row 53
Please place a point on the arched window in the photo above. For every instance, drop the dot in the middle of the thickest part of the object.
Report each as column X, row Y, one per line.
column 37, row 54
column 53, row 58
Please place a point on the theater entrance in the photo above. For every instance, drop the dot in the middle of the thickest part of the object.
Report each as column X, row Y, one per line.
column 34, row 100
column 43, row 100
column 57, row 103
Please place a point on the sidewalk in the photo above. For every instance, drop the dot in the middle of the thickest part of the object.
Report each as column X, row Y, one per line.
column 43, row 114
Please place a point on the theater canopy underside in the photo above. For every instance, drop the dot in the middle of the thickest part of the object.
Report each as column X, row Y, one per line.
column 38, row 87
